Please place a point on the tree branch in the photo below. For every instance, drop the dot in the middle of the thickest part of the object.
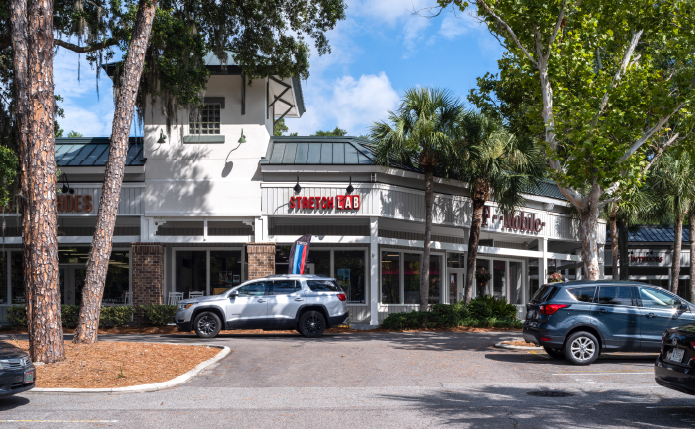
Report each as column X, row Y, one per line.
column 619, row 73
column 509, row 30
column 86, row 49
column 649, row 134
column 556, row 30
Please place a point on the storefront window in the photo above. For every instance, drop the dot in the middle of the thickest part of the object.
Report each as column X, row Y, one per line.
column 515, row 283
column 455, row 260
column 190, row 271
column 499, row 280
column 117, row 278
column 533, row 275
column 321, row 259
column 411, row 278
column 225, row 270
column 349, row 271
column 17, row 270
column 435, row 283
column 482, row 266
column 390, row 278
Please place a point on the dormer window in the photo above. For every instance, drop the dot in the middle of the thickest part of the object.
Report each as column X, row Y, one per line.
column 205, row 120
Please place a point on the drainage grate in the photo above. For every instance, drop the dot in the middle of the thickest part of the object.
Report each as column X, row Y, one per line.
column 550, row 393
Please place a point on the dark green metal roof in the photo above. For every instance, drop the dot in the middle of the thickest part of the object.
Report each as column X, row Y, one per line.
column 653, row 233
column 93, row 151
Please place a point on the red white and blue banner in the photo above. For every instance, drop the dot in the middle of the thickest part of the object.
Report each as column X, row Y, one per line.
column 299, row 254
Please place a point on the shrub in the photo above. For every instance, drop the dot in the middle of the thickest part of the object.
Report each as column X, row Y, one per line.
column 119, row 315
column 445, row 316
column 499, row 307
column 159, row 315
column 412, row 320
column 70, row 314
column 479, row 309
column 17, row 315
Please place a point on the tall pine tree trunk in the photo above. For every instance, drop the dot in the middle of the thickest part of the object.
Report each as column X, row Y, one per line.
column 100, row 252
column 624, row 237
column 676, row 258
column 691, row 239
column 615, row 242
column 425, row 269
column 32, row 26
column 480, row 197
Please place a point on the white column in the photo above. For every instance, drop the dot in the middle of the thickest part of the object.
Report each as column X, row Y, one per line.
column 601, row 262
column 580, row 267
column 374, row 270
column 543, row 266
column 260, row 229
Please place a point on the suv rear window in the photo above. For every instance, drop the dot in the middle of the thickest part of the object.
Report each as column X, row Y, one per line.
column 545, row 293
column 583, row 294
column 323, row 286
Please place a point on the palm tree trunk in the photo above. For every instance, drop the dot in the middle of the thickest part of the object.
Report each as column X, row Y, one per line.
column 676, row 259
column 100, row 252
column 425, row 269
column 35, row 91
column 480, row 198
column 615, row 242
column 691, row 239
column 623, row 237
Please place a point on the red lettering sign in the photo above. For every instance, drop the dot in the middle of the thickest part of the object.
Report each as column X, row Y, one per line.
column 348, row 202
column 74, row 203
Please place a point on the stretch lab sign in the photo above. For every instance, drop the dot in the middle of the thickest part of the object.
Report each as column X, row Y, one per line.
column 339, row 202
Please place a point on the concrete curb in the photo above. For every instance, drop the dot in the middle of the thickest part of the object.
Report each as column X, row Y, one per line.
column 511, row 347
column 153, row 387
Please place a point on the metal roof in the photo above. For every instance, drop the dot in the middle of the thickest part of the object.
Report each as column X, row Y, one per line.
column 659, row 233
column 93, row 151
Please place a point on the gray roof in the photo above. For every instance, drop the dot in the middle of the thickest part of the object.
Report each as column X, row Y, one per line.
column 93, row 151
column 658, row 233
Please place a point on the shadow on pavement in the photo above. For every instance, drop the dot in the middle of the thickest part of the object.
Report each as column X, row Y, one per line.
column 11, row 402
column 541, row 358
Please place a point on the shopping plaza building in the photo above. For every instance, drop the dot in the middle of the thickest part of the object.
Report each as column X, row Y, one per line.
column 216, row 199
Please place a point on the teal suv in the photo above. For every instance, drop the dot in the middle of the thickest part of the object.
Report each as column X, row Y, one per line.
column 580, row 320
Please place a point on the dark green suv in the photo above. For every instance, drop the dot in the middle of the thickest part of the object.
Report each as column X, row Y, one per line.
column 579, row 320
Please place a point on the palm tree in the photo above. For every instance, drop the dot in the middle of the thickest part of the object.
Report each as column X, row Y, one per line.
column 673, row 187
column 420, row 130
column 497, row 166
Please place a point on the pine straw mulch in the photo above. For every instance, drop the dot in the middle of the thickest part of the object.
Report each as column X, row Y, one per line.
column 118, row 364
column 519, row 343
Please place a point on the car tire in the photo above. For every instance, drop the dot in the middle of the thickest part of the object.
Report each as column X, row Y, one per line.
column 582, row 348
column 554, row 353
column 207, row 325
column 312, row 324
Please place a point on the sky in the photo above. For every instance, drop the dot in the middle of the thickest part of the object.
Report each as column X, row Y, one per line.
column 379, row 50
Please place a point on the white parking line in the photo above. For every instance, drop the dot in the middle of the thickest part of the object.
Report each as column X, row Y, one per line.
column 605, row 373
column 59, row 421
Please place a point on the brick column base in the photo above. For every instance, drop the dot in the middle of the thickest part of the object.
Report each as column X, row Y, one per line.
column 261, row 259
column 148, row 276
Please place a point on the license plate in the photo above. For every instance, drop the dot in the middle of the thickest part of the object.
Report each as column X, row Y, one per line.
column 676, row 355
column 29, row 377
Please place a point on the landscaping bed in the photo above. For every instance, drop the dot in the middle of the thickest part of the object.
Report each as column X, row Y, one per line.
column 519, row 343
column 119, row 364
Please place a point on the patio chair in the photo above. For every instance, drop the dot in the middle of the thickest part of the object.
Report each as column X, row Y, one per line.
column 195, row 294
column 175, row 297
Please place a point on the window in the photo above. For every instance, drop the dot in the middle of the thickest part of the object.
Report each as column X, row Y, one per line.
column 349, row 271
column 225, row 270
column 654, row 298
column 253, row 289
column 17, row 270
column 285, row 287
column 583, row 294
column 435, row 284
column 545, row 293
column 321, row 260
column 615, row 295
column 390, row 278
column 205, row 120
column 117, row 277
column 209, row 271
column 190, row 271
column 323, row 286
column 411, row 278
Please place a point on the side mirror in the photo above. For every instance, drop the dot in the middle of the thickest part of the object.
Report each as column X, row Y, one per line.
column 683, row 306
column 234, row 294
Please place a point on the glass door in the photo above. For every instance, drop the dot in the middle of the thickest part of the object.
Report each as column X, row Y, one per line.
column 456, row 276
column 72, row 279
column 499, row 279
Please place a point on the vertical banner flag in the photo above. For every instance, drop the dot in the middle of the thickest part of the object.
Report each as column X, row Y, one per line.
column 298, row 254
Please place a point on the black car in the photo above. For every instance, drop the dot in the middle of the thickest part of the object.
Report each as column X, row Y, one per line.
column 18, row 374
column 675, row 367
column 579, row 320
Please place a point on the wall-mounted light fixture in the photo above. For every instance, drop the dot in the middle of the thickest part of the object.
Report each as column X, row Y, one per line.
column 350, row 188
column 297, row 187
column 66, row 185
column 162, row 137
column 242, row 139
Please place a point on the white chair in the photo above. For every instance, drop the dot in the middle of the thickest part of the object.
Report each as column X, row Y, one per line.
column 175, row 297
column 129, row 298
column 195, row 294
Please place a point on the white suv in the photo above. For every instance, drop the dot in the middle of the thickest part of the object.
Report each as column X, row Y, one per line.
column 307, row 303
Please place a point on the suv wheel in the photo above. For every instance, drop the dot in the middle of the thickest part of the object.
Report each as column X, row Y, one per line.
column 581, row 348
column 312, row 324
column 207, row 325
column 555, row 353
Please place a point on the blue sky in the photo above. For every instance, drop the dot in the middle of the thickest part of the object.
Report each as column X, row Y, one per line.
column 380, row 50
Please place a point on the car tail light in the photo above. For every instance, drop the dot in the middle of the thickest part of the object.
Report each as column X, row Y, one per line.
column 545, row 338
column 342, row 297
column 549, row 309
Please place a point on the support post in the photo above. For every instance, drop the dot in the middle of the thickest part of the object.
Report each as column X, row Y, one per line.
column 601, row 262
column 374, row 270
column 543, row 268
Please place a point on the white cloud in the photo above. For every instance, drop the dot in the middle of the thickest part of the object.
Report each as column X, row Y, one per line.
column 352, row 104
column 413, row 33
column 388, row 11
column 455, row 26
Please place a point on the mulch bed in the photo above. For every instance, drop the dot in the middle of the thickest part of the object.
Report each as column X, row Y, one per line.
column 519, row 343
column 119, row 364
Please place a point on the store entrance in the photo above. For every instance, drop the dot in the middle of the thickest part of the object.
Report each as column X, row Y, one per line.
column 456, row 280
column 72, row 279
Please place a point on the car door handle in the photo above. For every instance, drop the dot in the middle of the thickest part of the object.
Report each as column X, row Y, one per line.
column 651, row 316
column 602, row 310
column 299, row 299
column 261, row 300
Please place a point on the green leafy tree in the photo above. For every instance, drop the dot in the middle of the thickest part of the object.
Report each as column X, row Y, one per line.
column 497, row 166
column 74, row 134
column 599, row 81
column 281, row 128
column 421, row 129
column 337, row 132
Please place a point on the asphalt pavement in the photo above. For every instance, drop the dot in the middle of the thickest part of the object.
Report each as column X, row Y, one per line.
column 375, row 380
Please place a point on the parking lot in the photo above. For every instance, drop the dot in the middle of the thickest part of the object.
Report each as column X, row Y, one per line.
column 380, row 380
